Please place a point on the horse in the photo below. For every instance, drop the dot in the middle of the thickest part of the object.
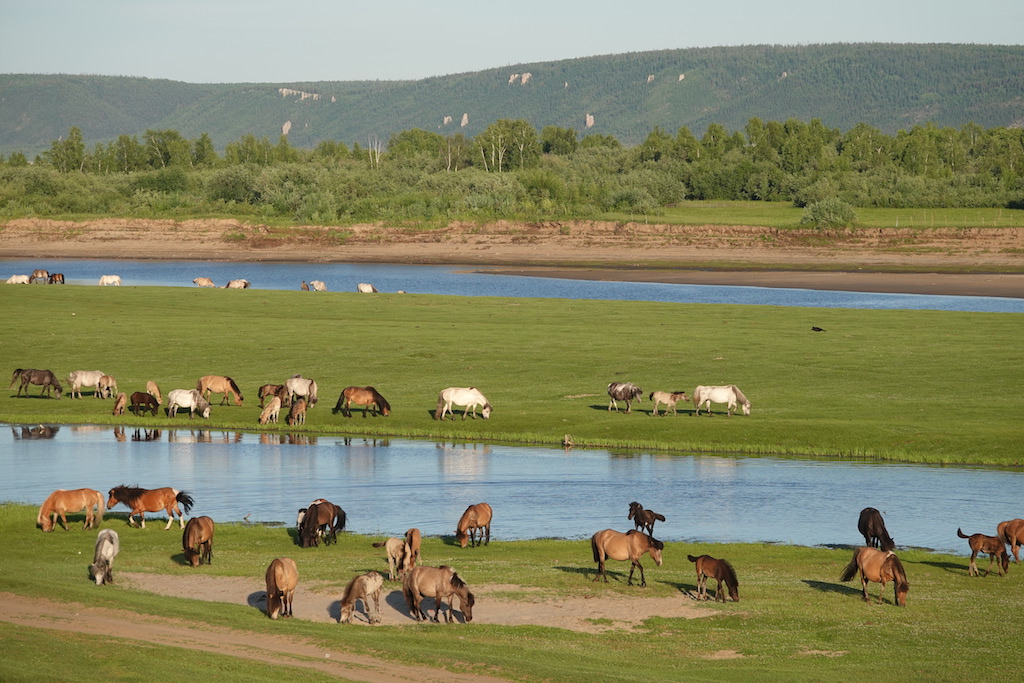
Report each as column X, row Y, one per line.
column 438, row 583
column 154, row 391
column 61, row 502
column 110, row 280
column 45, row 379
column 729, row 394
column 187, row 398
column 476, row 519
column 720, row 570
column 470, row 397
column 879, row 566
column 363, row 587
column 141, row 402
column 412, row 537
column 270, row 390
column 203, row 282
column 872, row 528
column 1012, row 532
column 217, row 384
column 106, row 386
column 40, row 275
column 318, row 285
column 993, row 546
column 56, row 278
column 197, row 541
column 632, row 545
column 18, row 280
column 668, row 398
column 271, row 411
column 399, row 556
column 643, row 519
column 367, row 397
column 108, row 545
column 624, row 391
column 85, row 378
column 301, row 387
column 240, row 283
column 322, row 518
column 282, row 578
column 297, row 413
column 304, row 287
column 141, row 501
column 119, row 404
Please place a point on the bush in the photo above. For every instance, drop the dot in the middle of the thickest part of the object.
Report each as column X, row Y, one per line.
column 829, row 213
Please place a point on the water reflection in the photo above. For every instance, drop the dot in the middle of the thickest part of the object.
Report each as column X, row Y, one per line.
column 37, row 432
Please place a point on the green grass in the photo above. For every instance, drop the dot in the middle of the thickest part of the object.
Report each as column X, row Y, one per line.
column 920, row 386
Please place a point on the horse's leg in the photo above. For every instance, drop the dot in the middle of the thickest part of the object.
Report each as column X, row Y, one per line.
column 864, row 587
column 376, row 607
column 488, row 530
column 600, row 569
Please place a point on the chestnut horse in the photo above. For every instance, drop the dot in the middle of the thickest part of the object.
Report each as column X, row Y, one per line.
column 880, row 566
column 1012, row 532
column 720, row 570
column 412, row 537
column 141, row 501
column 643, row 519
column 872, row 528
column 282, row 578
column 438, row 583
column 322, row 518
column 197, row 541
column 363, row 587
column 297, row 413
column 217, row 384
column 61, row 502
column 473, row 525
column 632, row 545
column 993, row 546
column 367, row 397
column 399, row 556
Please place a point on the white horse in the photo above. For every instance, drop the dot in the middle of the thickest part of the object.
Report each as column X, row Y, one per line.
column 300, row 386
column 187, row 398
column 237, row 284
column 318, row 285
column 110, row 280
column 730, row 395
column 107, row 546
column 366, row 288
column 271, row 412
column 85, row 378
column 18, row 280
column 461, row 396
column 203, row 282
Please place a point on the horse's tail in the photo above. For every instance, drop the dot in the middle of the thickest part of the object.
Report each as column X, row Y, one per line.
column 380, row 545
column 16, row 376
column 101, row 507
column 691, row 558
column 961, row 534
column 850, row 570
column 440, row 406
column 186, row 501
column 342, row 518
column 1001, row 532
column 594, row 547
column 659, row 517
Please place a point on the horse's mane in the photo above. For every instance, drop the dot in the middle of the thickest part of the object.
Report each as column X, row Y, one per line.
column 739, row 395
column 457, row 581
column 128, row 494
column 348, row 596
column 234, row 386
column 898, row 572
column 46, row 503
column 729, row 574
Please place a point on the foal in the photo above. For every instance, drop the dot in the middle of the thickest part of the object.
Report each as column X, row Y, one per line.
column 993, row 545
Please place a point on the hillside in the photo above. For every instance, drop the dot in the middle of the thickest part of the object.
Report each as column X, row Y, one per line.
column 887, row 86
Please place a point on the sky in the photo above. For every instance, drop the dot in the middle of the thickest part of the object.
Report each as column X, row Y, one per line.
column 259, row 41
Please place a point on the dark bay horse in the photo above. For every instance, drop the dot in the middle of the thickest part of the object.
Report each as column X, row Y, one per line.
column 197, row 541
column 1012, row 533
column 632, row 545
column 720, row 570
column 473, row 525
column 624, row 391
column 143, row 401
column 879, row 566
column 141, row 501
column 364, row 587
column 217, row 384
column 282, row 578
column 872, row 528
column 367, row 397
column 322, row 518
column 43, row 378
column 643, row 519
column 61, row 502
column 56, row 278
column 991, row 545
column 438, row 583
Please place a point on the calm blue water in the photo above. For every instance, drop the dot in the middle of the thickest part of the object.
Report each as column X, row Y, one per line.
column 452, row 280
column 387, row 486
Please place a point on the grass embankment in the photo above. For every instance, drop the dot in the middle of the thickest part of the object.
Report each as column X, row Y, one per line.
column 900, row 385
column 795, row 620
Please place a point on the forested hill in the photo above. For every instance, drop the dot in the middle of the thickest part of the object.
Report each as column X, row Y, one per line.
column 887, row 86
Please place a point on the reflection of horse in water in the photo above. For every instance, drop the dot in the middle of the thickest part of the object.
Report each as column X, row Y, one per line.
column 61, row 502
column 363, row 587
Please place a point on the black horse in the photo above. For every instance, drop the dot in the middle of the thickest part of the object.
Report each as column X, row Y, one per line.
column 643, row 519
column 624, row 391
column 872, row 528
column 45, row 378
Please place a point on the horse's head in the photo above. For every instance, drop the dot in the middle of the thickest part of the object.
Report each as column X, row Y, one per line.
column 746, row 407
column 462, row 537
column 486, row 411
column 45, row 522
column 655, row 549
column 467, row 603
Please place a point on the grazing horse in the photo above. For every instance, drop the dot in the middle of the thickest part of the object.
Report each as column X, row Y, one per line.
column 363, row 587
column 85, row 378
column 438, row 583
column 141, row 501
column 271, row 411
column 56, row 278
column 203, row 282
column 110, row 280
column 470, row 397
column 217, row 384
column 282, row 578
column 108, row 545
column 240, row 283
column 270, row 390
column 197, row 541
column 154, row 391
column 399, row 556
column 474, row 526
column 61, row 502
column 643, row 520
column 1012, row 532
column 106, row 386
column 297, row 413
column 624, row 391
column 872, row 528
column 18, row 280
column 318, row 285
column 632, row 545
column 879, row 566
column 366, row 288
column 304, row 287
column 729, row 394
column 120, row 403
column 40, row 276
column 187, row 398
column 993, row 546
column 412, row 537
column 322, row 518
column 668, row 398
column 300, row 387
column 45, row 379
column 141, row 402
column 720, row 570
column 367, row 397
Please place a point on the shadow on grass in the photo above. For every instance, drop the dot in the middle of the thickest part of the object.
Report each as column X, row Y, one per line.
column 828, row 587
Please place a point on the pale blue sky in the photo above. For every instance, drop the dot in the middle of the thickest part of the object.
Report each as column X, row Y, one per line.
column 232, row 41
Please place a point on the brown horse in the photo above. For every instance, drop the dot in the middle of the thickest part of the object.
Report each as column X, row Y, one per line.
column 438, row 583
column 367, row 397
column 412, row 537
column 643, row 520
column 993, row 546
column 880, row 566
column 872, row 528
column 720, row 570
column 154, row 391
column 119, row 404
column 282, row 578
column 216, row 384
column 399, row 556
column 363, row 587
column 197, row 541
column 56, row 278
column 141, row 402
column 322, row 518
column 1012, row 532
column 473, row 525
column 297, row 413
column 141, row 501
column 632, row 545
column 270, row 390
column 45, row 379
column 61, row 502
